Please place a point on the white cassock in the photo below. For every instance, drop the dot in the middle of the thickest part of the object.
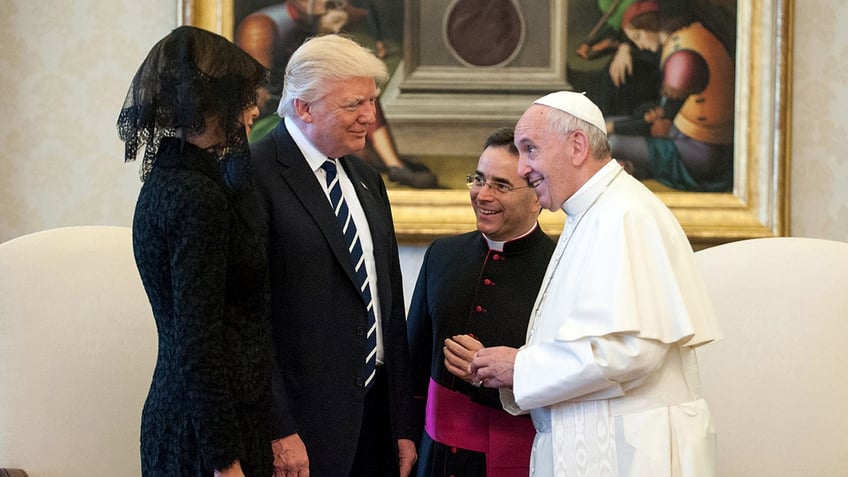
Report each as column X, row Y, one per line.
column 609, row 373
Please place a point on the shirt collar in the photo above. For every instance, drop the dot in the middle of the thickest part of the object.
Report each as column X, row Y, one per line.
column 499, row 246
column 313, row 156
column 586, row 194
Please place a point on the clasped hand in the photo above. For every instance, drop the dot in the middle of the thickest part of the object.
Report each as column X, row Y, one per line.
column 466, row 358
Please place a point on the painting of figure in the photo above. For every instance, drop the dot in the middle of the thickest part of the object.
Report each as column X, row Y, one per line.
column 662, row 72
column 667, row 88
column 706, row 144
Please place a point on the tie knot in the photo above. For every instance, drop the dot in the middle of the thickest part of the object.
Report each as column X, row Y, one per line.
column 329, row 166
column 330, row 170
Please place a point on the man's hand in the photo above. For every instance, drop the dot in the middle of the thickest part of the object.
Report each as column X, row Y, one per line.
column 459, row 351
column 494, row 366
column 290, row 459
column 661, row 127
column 654, row 114
column 407, row 456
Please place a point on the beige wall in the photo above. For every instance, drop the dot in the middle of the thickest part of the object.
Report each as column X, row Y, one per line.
column 65, row 67
column 819, row 172
column 64, row 71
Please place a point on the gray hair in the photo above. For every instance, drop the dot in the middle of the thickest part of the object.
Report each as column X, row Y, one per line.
column 323, row 58
column 560, row 122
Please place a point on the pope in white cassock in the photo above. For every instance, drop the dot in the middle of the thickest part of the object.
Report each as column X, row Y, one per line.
column 608, row 372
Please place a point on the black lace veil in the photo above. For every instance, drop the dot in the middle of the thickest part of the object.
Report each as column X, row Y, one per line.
column 189, row 75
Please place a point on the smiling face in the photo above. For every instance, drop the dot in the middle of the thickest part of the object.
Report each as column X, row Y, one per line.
column 546, row 158
column 338, row 122
column 503, row 215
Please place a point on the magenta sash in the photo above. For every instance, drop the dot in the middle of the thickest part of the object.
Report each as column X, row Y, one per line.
column 454, row 420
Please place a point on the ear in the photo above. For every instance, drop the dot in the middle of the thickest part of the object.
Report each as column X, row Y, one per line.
column 536, row 206
column 578, row 143
column 302, row 110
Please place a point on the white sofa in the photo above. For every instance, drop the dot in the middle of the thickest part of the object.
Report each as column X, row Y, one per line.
column 77, row 350
column 777, row 384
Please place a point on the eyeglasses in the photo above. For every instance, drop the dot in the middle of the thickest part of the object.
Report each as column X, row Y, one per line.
column 477, row 181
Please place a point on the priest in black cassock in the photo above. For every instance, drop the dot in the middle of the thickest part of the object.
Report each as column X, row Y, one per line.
column 482, row 284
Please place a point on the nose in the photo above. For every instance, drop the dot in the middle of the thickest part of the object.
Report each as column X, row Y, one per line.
column 368, row 115
column 487, row 192
column 524, row 169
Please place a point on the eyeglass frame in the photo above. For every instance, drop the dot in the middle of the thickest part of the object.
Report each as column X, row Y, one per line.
column 471, row 181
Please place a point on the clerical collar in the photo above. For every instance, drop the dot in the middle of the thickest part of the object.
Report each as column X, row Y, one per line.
column 499, row 246
column 588, row 192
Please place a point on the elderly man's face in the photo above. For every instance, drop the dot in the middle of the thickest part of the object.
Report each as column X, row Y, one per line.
column 545, row 159
column 338, row 122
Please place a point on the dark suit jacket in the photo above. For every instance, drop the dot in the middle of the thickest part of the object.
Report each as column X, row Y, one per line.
column 319, row 317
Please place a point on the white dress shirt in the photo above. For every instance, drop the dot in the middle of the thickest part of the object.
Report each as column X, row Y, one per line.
column 315, row 159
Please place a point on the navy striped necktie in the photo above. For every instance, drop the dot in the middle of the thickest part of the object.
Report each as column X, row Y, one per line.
column 354, row 246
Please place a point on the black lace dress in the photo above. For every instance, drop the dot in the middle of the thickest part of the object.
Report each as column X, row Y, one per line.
column 205, row 273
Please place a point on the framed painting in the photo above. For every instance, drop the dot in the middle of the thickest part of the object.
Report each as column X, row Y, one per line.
column 445, row 96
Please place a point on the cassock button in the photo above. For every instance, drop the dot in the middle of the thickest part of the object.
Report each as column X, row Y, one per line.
column 360, row 331
column 496, row 257
column 478, row 308
column 360, row 382
column 453, row 450
column 488, row 282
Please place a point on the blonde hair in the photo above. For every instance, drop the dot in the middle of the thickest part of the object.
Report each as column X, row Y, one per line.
column 323, row 58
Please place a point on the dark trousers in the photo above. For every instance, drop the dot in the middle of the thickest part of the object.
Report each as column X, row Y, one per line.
column 376, row 452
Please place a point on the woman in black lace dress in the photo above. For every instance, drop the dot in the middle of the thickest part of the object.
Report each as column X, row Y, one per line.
column 201, row 258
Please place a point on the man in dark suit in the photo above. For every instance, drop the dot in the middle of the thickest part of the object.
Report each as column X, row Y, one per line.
column 336, row 289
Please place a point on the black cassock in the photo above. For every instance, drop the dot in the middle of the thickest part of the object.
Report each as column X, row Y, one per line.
column 466, row 288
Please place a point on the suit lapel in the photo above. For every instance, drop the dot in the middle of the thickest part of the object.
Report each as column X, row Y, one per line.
column 300, row 178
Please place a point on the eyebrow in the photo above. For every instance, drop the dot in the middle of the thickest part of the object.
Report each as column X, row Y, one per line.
column 495, row 179
column 356, row 100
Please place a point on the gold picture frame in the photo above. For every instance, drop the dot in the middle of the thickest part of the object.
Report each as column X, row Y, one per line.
column 758, row 206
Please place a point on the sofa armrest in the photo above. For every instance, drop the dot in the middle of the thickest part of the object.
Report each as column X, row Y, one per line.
column 12, row 473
